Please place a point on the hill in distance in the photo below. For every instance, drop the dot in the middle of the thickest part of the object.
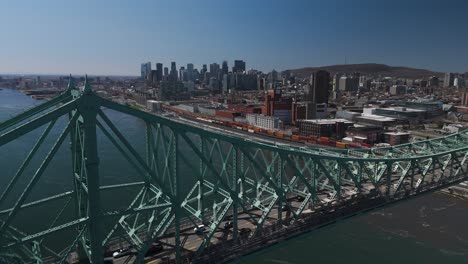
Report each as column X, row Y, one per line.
column 369, row 69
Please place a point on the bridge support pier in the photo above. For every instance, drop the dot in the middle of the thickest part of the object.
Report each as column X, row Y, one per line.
column 88, row 110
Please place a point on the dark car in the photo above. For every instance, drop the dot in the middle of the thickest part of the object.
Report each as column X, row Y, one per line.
column 155, row 248
column 300, row 198
column 228, row 225
column 243, row 232
column 108, row 252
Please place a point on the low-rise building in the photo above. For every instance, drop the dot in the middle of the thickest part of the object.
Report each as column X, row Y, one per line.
column 153, row 106
column 188, row 107
column 323, row 127
column 433, row 108
column 375, row 120
column 207, row 110
column 265, row 122
column 401, row 112
column 397, row 90
column 348, row 115
column 365, row 134
column 396, row 138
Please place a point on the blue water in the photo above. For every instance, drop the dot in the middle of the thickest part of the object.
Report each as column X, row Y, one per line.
column 430, row 229
column 425, row 230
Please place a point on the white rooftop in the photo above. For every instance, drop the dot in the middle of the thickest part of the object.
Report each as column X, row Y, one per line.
column 326, row 121
column 377, row 117
column 398, row 133
column 400, row 109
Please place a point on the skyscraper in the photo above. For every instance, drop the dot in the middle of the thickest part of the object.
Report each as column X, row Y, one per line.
column 336, row 85
column 166, row 71
column 239, row 66
column 153, row 76
column 214, row 70
column 173, row 71
column 225, row 68
column 145, row 70
column 183, row 74
column 448, row 80
column 159, row 71
column 320, row 86
column 190, row 72
column 203, row 70
column 226, row 83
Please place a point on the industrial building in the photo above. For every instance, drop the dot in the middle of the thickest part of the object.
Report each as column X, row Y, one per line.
column 323, row 127
column 364, row 134
column 376, row 120
column 401, row 113
column 153, row 106
column 265, row 122
column 396, row 138
column 278, row 106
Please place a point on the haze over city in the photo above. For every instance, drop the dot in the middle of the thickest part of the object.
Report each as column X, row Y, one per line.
column 111, row 37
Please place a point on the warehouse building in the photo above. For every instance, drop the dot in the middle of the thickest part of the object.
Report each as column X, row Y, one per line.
column 265, row 122
column 323, row 127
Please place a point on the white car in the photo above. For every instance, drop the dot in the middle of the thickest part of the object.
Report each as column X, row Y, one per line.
column 200, row 229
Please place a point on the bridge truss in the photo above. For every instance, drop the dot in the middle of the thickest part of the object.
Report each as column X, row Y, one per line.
column 191, row 176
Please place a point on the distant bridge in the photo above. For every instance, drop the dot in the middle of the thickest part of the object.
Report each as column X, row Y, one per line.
column 246, row 194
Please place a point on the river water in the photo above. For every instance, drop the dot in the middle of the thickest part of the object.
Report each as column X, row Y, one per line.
column 429, row 229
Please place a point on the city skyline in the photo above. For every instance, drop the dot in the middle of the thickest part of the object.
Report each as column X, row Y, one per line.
column 112, row 38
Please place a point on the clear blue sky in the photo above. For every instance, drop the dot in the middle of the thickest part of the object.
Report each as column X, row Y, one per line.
column 115, row 36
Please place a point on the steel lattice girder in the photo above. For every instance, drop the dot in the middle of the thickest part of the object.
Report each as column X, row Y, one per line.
column 235, row 176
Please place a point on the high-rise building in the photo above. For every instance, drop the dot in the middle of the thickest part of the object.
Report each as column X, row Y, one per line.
column 183, row 74
column 434, row 81
column 226, row 83
column 145, row 70
column 336, row 85
column 159, row 71
column 153, row 78
column 349, row 83
column 166, row 72
column 261, row 84
column 239, row 66
column 225, row 68
column 190, row 72
column 273, row 77
column 173, row 74
column 213, row 84
column 203, row 71
column 459, row 82
column 320, row 86
column 448, row 80
column 214, row 70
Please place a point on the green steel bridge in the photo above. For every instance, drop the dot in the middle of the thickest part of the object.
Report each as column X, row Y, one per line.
column 244, row 192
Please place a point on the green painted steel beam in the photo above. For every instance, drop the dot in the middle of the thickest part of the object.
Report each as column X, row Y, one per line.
column 37, row 175
column 123, row 185
column 46, row 232
column 34, row 111
column 40, row 201
column 122, row 151
column 35, row 123
column 26, row 161
column 133, row 152
column 140, row 209
column 88, row 108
